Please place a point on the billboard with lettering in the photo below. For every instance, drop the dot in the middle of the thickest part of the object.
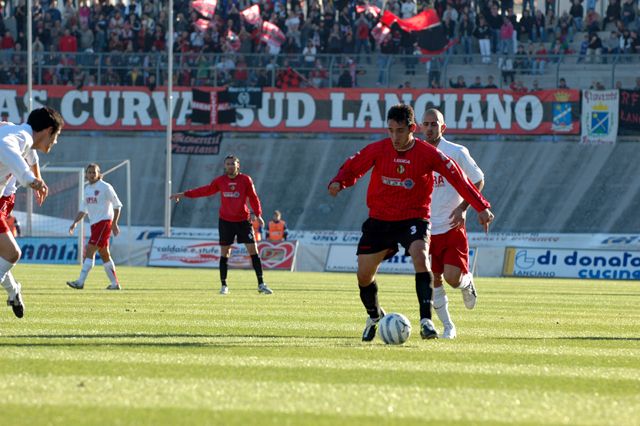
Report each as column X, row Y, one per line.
column 570, row 263
column 468, row 111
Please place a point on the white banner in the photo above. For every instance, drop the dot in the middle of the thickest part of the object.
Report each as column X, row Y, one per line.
column 567, row 263
column 190, row 253
column 599, row 116
column 342, row 258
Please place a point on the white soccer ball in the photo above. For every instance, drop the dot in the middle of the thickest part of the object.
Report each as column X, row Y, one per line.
column 394, row 329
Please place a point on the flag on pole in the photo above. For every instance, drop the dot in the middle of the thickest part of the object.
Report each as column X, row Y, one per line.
column 202, row 24
column 371, row 10
column 233, row 41
column 202, row 106
column 380, row 32
column 206, row 8
column 252, row 15
column 272, row 34
column 429, row 31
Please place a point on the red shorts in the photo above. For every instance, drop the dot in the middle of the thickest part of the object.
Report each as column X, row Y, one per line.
column 100, row 233
column 6, row 207
column 450, row 248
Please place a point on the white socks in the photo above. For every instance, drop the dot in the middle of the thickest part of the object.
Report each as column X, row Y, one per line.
column 8, row 282
column 441, row 305
column 110, row 269
column 86, row 267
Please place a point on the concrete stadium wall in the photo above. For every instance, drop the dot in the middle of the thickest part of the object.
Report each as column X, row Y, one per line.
column 534, row 186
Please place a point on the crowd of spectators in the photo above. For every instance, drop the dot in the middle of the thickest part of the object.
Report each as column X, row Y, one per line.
column 69, row 39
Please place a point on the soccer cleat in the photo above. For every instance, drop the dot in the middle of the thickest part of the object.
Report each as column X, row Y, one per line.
column 75, row 284
column 113, row 287
column 449, row 331
column 371, row 327
column 224, row 290
column 469, row 294
column 17, row 305
column 262, row 288
column 427, row 330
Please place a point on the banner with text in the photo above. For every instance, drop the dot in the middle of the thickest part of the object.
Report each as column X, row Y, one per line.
column 342, row 258
column 468, row 111
column 192, row 253
column 599, row 116
column 630, row 110
column 62, row 250
column 568, row 263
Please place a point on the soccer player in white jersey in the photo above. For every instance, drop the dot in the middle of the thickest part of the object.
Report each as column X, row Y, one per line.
column 40, row 132
column 449, row 247
column 102, row 205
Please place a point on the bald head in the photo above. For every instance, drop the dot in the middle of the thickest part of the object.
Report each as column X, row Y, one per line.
column 433, row 125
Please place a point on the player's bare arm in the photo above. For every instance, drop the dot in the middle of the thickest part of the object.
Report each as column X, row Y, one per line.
column 42, row 193
column 77, row 220
column 176, row 196
column 115, row 229
column 459, row 214
column 486, row 217
column 334, row 188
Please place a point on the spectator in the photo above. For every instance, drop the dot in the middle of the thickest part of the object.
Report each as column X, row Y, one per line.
column 522, row 64
column 309, row 54
column 594, row 50
column 506, row 36
column 490, row 83
column 408, row 9
column 592, row 21
column 562, row 83
column 525, row 27
column 613, row 14
column 540, row 60
column 505, row 64
column 577, row 13
column 345, row 79
column 518, row 86
column 637, row 86
column 483, row 34
column 318, row 75
column 465, row 33
column 628, row 12
column 534, row 86
column 584, row 45
column 611, row 47
column 538, row 30
column 477, row 84
column 550, row 24
column 458, row 84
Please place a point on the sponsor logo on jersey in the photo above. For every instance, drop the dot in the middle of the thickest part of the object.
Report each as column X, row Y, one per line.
column 229, row 194
column 401, row 160
column 400, row 183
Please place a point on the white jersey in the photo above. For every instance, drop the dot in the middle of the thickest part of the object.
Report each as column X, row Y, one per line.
column 99, row 201
column 445, row 198
column 15, row 145
column 12, row 185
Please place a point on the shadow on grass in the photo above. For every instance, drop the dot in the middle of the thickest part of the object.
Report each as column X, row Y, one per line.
column 595, row 338
column 215, row 340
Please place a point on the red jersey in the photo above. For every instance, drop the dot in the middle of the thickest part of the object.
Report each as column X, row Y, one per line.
column 402, row 182
column 234, row 193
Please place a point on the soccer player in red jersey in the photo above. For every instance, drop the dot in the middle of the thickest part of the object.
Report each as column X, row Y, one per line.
column 234, row 223
column 399, row 198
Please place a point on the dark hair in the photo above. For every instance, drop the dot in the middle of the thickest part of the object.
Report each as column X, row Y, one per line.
column 92, row 166
column 402, row 113
column 232, row 157
column 43, row 118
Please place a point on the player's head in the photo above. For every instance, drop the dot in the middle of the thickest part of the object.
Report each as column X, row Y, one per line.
column 401, row 124
column 433, row 125
column 231, row 165
column 92, row 173
column 277, row 215
column 47, row 124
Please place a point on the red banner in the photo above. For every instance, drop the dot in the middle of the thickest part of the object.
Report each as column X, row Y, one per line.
column 466, row 111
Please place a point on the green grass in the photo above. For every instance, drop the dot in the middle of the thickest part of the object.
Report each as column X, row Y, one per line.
column 170, row 350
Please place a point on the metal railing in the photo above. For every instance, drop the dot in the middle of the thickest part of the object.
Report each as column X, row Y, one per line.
column 369, row 70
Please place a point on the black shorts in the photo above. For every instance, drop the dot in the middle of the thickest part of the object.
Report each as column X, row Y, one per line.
column 379, row 235
column 230, row 230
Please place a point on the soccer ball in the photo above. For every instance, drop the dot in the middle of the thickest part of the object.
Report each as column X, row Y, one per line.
column 394, row 329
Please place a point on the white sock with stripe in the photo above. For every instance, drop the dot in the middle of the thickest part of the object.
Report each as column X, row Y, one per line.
column 110, row 269
column 441, row 305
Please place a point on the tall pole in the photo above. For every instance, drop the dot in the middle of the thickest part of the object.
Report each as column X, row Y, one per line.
column 167, row 187
column 29, row 103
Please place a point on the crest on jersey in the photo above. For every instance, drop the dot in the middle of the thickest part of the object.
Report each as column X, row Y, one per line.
column 400, row 169
column 96, row 192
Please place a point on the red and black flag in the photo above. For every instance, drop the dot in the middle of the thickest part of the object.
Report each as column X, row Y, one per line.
column 427, row 28
column 206, row 110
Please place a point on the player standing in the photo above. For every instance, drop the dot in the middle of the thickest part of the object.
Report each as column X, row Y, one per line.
column 235, row 188
column 449, row 247
column 103, row 206
column 40, row 132
column 399, row 197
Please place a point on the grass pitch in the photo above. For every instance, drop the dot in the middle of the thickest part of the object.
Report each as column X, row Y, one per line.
column 170, row 350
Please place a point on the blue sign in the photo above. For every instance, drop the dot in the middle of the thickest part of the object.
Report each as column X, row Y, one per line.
column 61, row 250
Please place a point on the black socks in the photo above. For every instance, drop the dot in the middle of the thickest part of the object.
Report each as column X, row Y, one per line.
column 223, row 269
column 257, row 266
column 369, row 297
column 424, row 281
